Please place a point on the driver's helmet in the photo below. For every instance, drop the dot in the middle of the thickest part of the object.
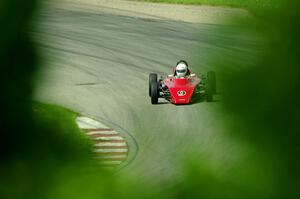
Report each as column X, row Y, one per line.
column 181, row 68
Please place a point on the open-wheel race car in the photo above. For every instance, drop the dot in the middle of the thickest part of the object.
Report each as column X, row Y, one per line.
column 182, row 90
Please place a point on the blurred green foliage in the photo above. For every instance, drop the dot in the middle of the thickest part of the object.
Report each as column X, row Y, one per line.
column 263, row 98
column 260, row 101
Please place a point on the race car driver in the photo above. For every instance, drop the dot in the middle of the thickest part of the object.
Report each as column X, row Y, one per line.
column 181, row 69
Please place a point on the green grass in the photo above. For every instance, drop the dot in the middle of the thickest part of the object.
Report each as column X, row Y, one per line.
column 230, row 3
column 61, row 127
column 49, row 114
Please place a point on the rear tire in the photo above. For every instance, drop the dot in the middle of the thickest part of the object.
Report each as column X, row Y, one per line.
column 154, row 92
column 210, row 86
column 152, row 78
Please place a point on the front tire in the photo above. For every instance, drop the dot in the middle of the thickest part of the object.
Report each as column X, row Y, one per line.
column 154, row 92
column 210, row 86
column 152, row 78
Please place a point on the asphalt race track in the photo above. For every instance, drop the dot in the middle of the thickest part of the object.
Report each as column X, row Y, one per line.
column 97, row 63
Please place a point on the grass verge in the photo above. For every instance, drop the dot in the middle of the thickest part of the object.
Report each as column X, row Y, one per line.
column 62, row 123
column 230, row 3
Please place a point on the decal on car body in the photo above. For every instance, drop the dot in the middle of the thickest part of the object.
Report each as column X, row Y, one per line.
column 181, row 93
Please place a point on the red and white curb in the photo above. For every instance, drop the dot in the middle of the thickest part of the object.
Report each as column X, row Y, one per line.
column 110, row 147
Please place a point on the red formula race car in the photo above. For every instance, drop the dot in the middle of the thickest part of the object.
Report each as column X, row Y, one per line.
column 182, row 90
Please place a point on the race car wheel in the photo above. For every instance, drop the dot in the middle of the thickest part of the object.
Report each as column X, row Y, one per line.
column 154, row 92
column 211, row 76
column 210, row 85
column 152, row 78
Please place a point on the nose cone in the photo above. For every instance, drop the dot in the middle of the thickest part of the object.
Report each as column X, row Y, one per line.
column 181, row 81
column 181, row 90
column 182, row 95
column 185, row 100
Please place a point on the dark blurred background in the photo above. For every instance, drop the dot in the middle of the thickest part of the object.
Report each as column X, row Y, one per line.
column 260, row 100
column 30, row 152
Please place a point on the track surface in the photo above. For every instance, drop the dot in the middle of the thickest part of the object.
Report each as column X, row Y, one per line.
column 98, row 64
